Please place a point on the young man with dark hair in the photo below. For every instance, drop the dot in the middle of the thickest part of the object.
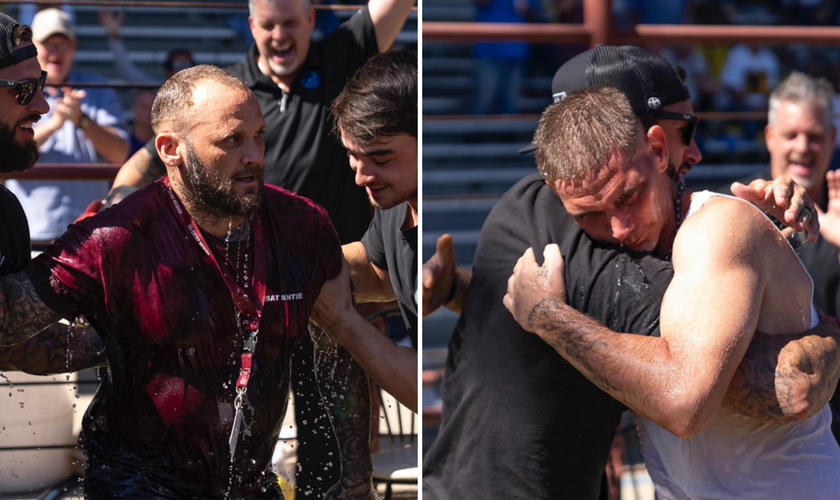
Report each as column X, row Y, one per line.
column 22, row 103
column 376, row 119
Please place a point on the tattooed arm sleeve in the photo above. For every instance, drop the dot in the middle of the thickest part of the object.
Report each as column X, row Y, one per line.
column 58, row 349
column 22, row 313
column 346, row 396
column 787, row 378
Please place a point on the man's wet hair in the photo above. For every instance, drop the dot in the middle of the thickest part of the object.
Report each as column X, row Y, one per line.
column 174, row 99
column 580, row 134
column 380, row 99
column 800, row 88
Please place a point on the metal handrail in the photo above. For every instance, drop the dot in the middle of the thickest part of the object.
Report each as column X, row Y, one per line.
column 642, row 33
column 67, row 171
column 156, row 3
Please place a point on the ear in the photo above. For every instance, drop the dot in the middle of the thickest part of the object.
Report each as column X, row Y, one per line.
column 251, row 24
column 311, row 18
column 658, row 148
column 166, row 145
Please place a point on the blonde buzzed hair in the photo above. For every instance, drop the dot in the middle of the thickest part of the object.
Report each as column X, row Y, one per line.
column 580, row 133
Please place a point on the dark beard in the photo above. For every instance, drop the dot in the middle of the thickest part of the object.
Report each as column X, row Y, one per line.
column 16, row 157
column 205, row 189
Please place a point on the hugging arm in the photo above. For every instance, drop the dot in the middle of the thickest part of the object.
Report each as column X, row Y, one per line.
column 22, row 313
column 346, row 395
column 678, row 380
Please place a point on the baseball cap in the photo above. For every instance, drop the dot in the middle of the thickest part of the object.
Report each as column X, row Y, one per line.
column 49, row 22
column 9, row 56
column 647, row 80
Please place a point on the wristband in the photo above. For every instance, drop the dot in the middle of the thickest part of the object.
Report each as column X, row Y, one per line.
column 832, row 318
column 455, row 288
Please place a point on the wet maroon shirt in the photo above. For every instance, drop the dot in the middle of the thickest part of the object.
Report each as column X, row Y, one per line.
column 162, row 419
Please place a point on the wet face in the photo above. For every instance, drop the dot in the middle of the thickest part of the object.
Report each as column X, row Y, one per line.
column 386, row 168
column 682, row 157
column 801, row 143
column 629, row 202
column 223, row 153
column 55, row 54
column 281, row 30
column 17, row 139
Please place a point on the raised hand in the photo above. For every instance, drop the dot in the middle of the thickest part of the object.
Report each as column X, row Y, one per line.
column 830, row 219
column 785, row 200
column 439, row 274
column 111, row 21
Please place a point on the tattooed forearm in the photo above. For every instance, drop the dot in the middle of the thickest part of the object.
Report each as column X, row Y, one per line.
column 58, row 349
column 346, row 395
column 573, row 335
column 784, row 378
column 22, row 313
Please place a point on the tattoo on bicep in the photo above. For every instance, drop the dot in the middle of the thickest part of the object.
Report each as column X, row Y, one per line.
column 765, row 388
column 576, row 337
column 55, row 350
column 22, row 313
column 346, row 394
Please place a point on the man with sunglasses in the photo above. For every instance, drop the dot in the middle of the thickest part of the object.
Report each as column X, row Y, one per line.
column 21, row 104
column 551, row 429
column 83, row 126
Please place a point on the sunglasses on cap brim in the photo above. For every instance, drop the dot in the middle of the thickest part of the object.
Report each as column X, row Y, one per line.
column 686, row 133
column 26, row 89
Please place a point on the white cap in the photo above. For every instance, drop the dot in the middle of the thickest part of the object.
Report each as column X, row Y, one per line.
column 49, row 22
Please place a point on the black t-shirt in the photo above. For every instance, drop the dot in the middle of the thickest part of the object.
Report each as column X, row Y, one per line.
column 395, row 251
column 15, row 249
column 301, row 153
column 519, row 422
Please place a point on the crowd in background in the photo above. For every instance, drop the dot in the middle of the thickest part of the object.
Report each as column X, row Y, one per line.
column 720, row 77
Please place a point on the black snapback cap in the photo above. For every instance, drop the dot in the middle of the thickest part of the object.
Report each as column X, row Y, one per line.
column 9, row 56
column 647, row 80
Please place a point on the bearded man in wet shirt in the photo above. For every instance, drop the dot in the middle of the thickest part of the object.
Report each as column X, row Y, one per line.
column 200, row 285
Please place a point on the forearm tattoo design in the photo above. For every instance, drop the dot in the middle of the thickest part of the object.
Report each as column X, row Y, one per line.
column 572, row 334
column 59, row 348
column 22, row 313
column 346, row 395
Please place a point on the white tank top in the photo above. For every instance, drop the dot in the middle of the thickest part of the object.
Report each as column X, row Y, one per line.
column 738, row 457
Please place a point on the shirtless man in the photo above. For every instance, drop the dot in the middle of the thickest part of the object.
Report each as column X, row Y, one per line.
column 734, row 273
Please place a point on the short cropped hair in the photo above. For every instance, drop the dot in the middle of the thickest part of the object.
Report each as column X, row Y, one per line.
column 800, row 88
column 21, row 34
column 174, row 99
column 252, row 4
column 583, row 131
column 379, row 100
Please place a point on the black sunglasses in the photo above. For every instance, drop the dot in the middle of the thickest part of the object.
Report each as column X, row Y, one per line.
column 686, row 133
column 27, row 88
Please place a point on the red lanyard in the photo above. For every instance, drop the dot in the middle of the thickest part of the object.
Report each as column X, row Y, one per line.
column 249, row 307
